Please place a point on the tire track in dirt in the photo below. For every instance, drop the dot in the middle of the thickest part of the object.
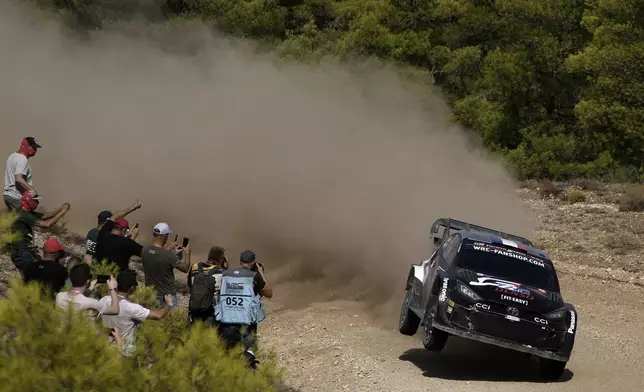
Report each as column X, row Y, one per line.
column 337, row 346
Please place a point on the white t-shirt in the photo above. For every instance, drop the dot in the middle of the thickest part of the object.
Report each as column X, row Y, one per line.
column 16, row 164
column 126, row 322
column 79, row 301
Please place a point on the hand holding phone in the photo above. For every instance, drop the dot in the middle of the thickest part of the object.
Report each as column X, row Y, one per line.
column 102, row 278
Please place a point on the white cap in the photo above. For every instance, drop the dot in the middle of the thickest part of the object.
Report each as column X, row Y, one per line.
column 162, row 228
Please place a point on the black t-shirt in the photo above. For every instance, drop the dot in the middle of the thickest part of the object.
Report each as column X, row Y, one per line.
column 90, row 244
column 115, row 248
column 24, row 228
column 49, row 273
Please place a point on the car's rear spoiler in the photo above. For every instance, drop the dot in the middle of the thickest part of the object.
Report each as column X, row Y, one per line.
column 452, row 224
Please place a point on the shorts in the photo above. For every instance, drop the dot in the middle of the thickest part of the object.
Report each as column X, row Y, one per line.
column 11, row 203
column 234, row 334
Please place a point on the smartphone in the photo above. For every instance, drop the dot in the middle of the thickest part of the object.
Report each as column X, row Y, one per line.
column 109, row 332
column 176, row 237
column 186, row 241
column 102, row 278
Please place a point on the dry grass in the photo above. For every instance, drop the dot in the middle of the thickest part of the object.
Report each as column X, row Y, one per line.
column 621, row 244
column 632, row 199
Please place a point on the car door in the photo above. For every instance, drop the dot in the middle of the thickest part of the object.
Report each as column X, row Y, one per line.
column 436, row 263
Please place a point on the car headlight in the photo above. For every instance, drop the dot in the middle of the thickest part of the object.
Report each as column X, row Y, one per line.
column 556, row 315
column 468, row 292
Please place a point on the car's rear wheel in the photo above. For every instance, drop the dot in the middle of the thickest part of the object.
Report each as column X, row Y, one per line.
column 409, row 321
column 550, row 369
column 433, row 339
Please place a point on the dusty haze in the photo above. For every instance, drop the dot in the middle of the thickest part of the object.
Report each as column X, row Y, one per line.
column 327, row 177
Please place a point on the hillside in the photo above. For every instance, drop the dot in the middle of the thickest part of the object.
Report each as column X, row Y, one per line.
column 341, row 345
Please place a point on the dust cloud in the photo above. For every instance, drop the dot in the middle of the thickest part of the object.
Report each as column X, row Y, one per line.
column 332, row 179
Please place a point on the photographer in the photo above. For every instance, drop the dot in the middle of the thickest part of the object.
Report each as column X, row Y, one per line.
column 239, row 309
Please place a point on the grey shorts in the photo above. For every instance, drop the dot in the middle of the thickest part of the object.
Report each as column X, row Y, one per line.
column 11, row 203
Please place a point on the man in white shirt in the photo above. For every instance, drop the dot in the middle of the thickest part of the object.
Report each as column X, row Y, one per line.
column 17, row 175
column 130, row 315
column 80, row 276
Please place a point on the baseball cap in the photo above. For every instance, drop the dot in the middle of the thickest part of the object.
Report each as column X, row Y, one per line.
column 162, row 229
column 103, row 216
column 247, row 256
column 121, row 223
column 52, row 246
column 32, row 142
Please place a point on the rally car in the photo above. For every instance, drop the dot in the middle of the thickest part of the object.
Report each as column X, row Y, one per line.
column 493, row 287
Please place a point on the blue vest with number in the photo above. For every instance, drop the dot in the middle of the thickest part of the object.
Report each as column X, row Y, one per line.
column 238, row 303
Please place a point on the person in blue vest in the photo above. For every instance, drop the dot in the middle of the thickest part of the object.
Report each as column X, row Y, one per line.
column 239, row 309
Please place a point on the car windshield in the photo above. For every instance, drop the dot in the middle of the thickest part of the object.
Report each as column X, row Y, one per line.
column 506, row 263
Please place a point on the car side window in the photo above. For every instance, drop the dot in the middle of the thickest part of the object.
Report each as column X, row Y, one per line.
column 452, row 248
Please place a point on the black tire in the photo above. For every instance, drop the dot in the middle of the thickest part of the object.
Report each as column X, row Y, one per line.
column 433, row 339
column 550, row 369
column 408, row 322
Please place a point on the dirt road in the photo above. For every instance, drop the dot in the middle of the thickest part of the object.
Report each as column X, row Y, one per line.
column 337, row 347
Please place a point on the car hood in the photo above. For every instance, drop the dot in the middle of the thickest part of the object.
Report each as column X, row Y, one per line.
column 508, row 293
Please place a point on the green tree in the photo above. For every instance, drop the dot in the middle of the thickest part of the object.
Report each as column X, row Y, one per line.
column 611, row 112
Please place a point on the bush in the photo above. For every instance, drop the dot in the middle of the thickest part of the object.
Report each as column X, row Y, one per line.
column 574, row 196
column 45, row 349
column 633, row 199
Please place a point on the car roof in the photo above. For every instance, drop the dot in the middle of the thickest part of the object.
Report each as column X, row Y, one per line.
column 495, row 240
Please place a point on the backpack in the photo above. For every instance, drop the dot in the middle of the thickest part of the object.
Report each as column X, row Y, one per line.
column 205, row 287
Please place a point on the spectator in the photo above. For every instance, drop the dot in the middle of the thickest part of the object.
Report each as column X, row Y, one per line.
column 71, row 263
column 48, row 271
column 80, row 276
column 17, row 174
column 204, row 282
column 125, row 323
column 159, row 263
column 22, row 250
column 239, row 308
column 113, row 246
column 92, row 235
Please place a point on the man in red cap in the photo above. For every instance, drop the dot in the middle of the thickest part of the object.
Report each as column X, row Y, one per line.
column 22, row 249
column 48, row 271
column 17, row 174
column 112, row 244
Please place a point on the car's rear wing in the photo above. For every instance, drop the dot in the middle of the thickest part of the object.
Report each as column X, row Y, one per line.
column 452, row 224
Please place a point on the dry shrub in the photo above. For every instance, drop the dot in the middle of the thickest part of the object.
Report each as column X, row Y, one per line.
column 574, row 196
column 621, row 243
column 633, row 199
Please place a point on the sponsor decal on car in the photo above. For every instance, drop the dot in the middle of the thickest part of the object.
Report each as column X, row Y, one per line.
column 514, row 299
column 541, row 321
column 443, row 295
column 482, row 306
column 507, row 252
column 572, row 322
column 502, row 286
column 512, row 318
column 514, row 293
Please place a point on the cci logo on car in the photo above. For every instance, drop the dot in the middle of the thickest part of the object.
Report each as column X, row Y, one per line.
column 541, row 321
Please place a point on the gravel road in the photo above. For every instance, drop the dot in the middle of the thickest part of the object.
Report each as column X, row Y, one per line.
column 336, row 346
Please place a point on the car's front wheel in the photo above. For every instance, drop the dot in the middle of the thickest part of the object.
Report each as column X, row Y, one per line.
column 433, row 339
column 550, row 369
column 409, row 321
